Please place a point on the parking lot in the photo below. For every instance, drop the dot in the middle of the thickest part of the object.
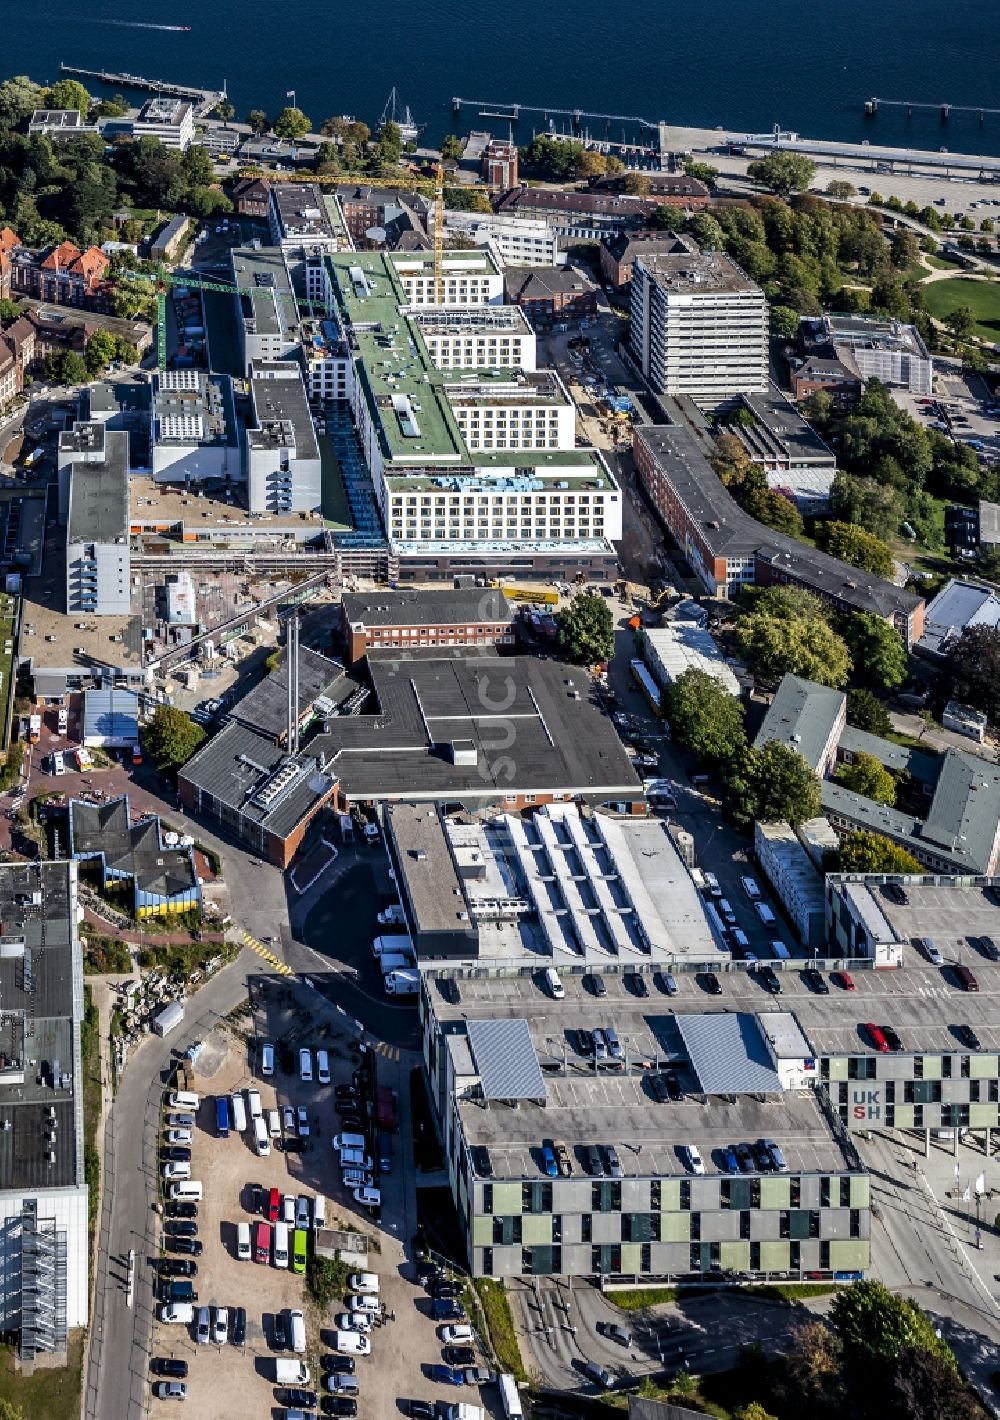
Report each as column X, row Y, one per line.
column 229, row 1380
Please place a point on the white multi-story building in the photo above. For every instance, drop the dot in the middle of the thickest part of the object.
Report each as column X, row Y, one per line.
column 283, row 460
column 477, row 337
column 519, row 241
column 267, row 313
column 169, row 120
column 93, row 484
column 698, row 326
column 469, row 278
column 302, row 220
column 789, row 869
column 514, row 411
column 193, row 431
column 43, row 1192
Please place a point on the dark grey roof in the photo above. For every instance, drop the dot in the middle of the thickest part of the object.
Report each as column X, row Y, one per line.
column 920, row 764
column 779, row 431
column 802, row 716
column 560, row 200
column 98, row 493
column 135, row 851
column 429, row 877
column 444, row 607
column 41, row 994
column 538, row 283
column 528, row 732
column 625, row 246
column 730, row 532
column 265, row 708
column 237, row 765
column 728, row 1053
column 505, row 1059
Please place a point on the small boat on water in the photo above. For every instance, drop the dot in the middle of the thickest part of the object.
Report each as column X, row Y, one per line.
column 399, row 114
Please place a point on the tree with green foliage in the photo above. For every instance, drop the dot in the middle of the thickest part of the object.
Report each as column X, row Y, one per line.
column 10, row 1411
column 866, row 712
column 101, row 349
column 258, row 122
column 586, row 629
column 813, row 1379
column 707, row 232
column 66, row 367
column 783, row 173
column 858, row 548
column 703, row 172
column 754, row 1411
column 771, row 784
column 19, row 97
column 326, row 1279
column 786, row 631
column 388, row 147
column 927, row 1386
column 961, row 322
column 704, row 718
column 868, row 777
column 452, row 148
column 973, row 670
column 784, row 322
column 870, row 503
column 841, row 191
column 774, row 510
column 877, row 650
column 70, row 93
column 867, row 852
column 291, row 123
column 226, row 110
column 637, row 184
column 171, row 737
column 876, row 1327
column 467, row 199
column 9, row 310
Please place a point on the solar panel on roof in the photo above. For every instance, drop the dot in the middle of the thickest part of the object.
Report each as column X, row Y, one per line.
column 506, row 1060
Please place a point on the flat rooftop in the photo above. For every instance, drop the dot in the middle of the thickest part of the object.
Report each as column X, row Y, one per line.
column 431, row 607
column 98, row 496
column 697, row 273
column 162, row 507
column 474, row 320
column 780, row 433
column 270, row 304
column 265, row 707
column 281, row 406
column 301, row 211
column 429, row 871
column 516, row 724
column 57, row 641
column 191, row 407
column 516, row 471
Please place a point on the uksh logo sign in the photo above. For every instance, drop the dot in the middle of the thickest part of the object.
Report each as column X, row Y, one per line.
column 866, row 1105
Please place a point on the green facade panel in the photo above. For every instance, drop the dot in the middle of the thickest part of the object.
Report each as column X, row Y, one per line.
column 631, row 1257
column 983, row 1116
column 904, row 1116
column 850, row 1255
column 670, row 1195
column 775, row 1192
column 932, row 1067
column 983, row 1067
column 775, row 1256
column 536, row 1228
column 861, row 1191
column 675, row 1227
column 838, row 1068
column 482, row 1230
column 735, row 1256
column 506, row 1199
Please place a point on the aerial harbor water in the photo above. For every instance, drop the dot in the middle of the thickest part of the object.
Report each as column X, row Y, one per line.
column 743, row 65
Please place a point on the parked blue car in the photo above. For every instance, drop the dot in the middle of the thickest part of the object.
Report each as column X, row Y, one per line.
column 549, row 1162
column 446, row 1309
column 447, row 1375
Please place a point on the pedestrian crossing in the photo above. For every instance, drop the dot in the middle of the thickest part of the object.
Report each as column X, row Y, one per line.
column 391, row 1052
column 266, row 954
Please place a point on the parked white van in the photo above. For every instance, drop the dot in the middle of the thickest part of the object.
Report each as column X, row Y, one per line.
column 187, row 1191
column 253, row 1100
column 183, row 1099
column 239, row 1113
column 305, row 1065
column 297, row 1329
column 323, row 1066
column 180, row 1312
column 364, row 1282
column 243, row 1242
column 261, row 1141
column 399, row 945
column 319, row 1211
column 553, row 985
column 267, row 1059
column 281, row 1244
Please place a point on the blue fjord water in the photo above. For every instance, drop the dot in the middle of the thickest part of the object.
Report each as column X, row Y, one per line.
column 745, row 64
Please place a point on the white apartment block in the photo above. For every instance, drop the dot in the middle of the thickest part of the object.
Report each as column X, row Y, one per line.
column 577, row 500
column 301, row 220
column 93, row 478
column 169, row 120
column 698, row 326
column 193, row 431
column 477, row 338
column 468, row 278
column 283, row 459
column 516, row 413
column 790, row 871
column 519, row 241
column 267, row 313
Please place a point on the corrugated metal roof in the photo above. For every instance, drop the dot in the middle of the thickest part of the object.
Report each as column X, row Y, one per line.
column 728, row 1054
column 110, row 715
column 506, row 1061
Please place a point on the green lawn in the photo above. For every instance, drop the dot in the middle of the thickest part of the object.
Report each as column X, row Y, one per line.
column 941, row 263
column 982, row 298
column 51, row 1393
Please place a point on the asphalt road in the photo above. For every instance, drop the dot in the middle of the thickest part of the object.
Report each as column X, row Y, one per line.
column 120, row 1336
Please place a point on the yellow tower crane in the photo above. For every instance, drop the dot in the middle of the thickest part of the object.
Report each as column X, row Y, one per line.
column 405, row 183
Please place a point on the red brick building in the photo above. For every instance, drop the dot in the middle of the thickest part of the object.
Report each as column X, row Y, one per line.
column 551, row 294
column 620, row 249
column 63, row 276
column 8, row 241
column 406, row 620
column 499, row 164
column 17, row 355
column 250, row 197
column 666, row 189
